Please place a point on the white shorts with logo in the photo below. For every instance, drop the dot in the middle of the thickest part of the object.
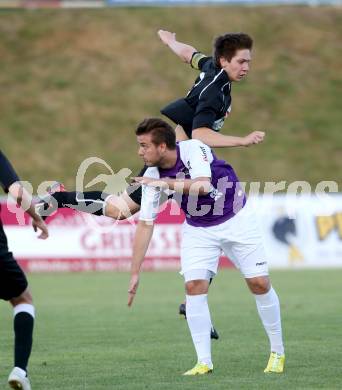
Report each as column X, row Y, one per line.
column 239, row 238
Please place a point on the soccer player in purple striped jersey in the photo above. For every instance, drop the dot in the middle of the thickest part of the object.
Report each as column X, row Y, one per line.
column 218, row 218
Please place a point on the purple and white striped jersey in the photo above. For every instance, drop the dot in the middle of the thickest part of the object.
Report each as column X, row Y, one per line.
column 195, row 159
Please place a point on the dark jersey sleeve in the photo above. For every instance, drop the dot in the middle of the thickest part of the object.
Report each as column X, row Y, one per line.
column 198, row 60
column 208, row 109
column 7, row 173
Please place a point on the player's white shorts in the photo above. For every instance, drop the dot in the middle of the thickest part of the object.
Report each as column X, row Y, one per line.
column 239, row 238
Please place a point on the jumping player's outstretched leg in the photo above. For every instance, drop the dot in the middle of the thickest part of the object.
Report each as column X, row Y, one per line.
column 92, row 202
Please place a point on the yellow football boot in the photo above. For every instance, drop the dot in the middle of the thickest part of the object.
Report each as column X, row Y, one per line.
column 275, row 363
column 199, row 369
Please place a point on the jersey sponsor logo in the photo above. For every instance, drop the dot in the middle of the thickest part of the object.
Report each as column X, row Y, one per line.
column 215, row 193
column 184, row 173
column 204, row 153
column 217, row 125
column 261, row 263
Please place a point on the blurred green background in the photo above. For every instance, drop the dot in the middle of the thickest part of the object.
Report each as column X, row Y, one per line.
column 74, row 83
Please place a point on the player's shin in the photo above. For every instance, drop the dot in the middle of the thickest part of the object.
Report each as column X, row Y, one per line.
column 91, row 202
column 199, row 322
column 23, row 329
column 269, row 312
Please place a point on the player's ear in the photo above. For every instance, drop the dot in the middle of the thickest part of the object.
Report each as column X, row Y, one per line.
column 223, row 62
column 163, row 147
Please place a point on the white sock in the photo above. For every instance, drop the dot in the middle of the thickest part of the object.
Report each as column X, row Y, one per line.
column 24, row 307
column 269, row 312
column 21, row 371
column 198, row 318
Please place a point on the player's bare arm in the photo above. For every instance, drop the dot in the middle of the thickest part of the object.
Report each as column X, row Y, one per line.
column 217, row 140
column 198, row 186
column 141, row 242
column 182, row 50
column 24, row 200
column 204, row 134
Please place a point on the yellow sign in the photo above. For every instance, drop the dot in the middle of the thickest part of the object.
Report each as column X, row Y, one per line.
column 327, row 224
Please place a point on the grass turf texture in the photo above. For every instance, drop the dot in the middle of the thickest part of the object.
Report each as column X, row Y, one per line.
column 86, row 337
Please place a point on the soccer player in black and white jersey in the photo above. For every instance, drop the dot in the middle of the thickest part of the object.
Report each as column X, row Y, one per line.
column 13, row 282
column 209, row 101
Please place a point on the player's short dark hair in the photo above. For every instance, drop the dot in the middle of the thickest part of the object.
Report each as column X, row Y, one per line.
column 160, row 130
column 226, row 45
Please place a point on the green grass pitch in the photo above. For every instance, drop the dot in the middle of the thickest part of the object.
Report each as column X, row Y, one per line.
column 87, row 338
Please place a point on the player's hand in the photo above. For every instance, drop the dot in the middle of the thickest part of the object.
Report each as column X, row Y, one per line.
column 256, row 137
column 166, row 36
column 133, row 286
column 150, row 181
column 39, row 224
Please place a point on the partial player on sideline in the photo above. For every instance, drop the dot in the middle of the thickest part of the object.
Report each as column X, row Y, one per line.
column 13, row 282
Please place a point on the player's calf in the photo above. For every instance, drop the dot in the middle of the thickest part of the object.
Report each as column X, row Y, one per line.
column 23, row 322
column 213, row 332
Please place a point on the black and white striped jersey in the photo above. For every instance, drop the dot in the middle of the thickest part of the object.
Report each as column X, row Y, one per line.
column 209, row 100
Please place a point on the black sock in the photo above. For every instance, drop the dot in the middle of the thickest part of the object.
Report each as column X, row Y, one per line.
column 91, row 202
column 23, row 329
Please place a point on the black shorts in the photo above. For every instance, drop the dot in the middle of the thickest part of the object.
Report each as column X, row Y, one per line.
column 181, row 113
column 13, row 281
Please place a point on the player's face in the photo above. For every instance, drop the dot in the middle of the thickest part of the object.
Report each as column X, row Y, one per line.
column 148, row 151
column 238, row 67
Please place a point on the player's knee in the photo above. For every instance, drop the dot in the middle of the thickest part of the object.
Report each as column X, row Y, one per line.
column 120, row 217
column 114, row 212
column 120, row 207
column 196, row 287
column 25, row 297
column 259, row 285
